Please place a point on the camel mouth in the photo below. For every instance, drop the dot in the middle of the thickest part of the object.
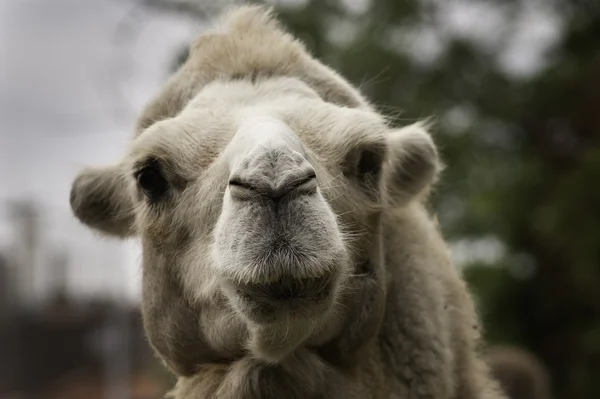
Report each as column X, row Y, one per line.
column 288, row 289
column 298, row 298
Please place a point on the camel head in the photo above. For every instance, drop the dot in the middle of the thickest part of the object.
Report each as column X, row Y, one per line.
column 257, row 179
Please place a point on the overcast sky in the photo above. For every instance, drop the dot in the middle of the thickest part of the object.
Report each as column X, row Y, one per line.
column 70, row 87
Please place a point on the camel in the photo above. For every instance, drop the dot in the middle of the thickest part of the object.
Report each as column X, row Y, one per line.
column 287, row 247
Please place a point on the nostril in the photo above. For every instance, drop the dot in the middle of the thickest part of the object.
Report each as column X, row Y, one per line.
column 238, row 183
column 242, row 190
column 295, row 183
column 307, row 179
column 305, row 184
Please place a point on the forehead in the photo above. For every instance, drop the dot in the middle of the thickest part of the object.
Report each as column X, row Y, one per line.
column 195, row 138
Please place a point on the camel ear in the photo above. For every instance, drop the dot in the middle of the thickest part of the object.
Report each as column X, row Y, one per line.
column 413, row 164
column 101, row 199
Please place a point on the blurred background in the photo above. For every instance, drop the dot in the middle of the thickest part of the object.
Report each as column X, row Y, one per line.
column 513, row 87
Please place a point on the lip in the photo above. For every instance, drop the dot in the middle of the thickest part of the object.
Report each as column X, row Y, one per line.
column 302, row 298
column 288, row 290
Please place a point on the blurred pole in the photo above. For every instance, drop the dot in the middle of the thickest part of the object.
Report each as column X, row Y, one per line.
column 5, row 288
column 59, row 274
column 118, row 362
column 117, row 355
column 25, row 218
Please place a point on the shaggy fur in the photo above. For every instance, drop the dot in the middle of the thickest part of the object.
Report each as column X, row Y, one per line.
column 287, row 252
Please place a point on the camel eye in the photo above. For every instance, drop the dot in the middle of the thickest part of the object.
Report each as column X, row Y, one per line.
column 152, row 181
column 369, row 163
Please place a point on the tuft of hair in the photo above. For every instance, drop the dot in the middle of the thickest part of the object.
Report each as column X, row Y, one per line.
column 249, row 43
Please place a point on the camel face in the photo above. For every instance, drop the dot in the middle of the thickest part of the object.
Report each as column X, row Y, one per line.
column 259, row 195
column 256, row 182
